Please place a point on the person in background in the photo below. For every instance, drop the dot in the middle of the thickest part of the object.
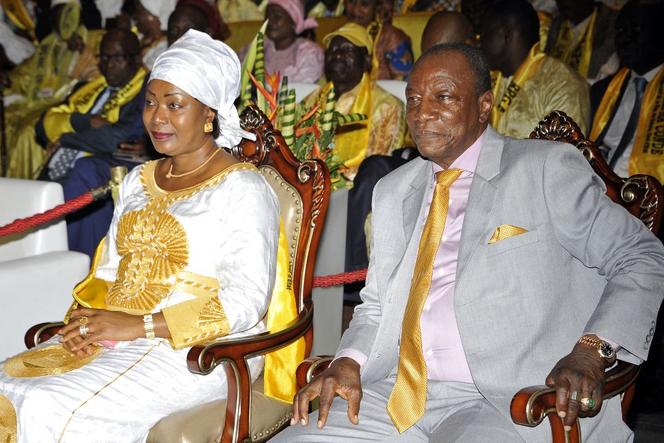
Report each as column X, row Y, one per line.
column 393, row 51
column 324, row 8
column 582, row 36
column 528, row 84
column 64, row 58
column 348, row 68
column 296, row 57
column 448, row 27
column 151, row 18
column 628, row 107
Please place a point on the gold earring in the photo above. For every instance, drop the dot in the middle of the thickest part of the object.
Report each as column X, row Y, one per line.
column 207, row 127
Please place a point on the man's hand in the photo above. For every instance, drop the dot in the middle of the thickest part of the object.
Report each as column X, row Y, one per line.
column 578, row 375
column 133, row 147
column 101, row 325
column 343, row 378
column 96, row 121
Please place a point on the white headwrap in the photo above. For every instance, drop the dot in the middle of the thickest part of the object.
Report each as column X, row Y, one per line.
column 209, row 71
column 161, row 9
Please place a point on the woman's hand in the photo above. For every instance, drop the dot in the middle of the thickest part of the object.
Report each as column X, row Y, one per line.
column 101, row 325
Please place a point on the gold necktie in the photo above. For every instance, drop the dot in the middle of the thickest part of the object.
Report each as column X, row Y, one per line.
column 408, row 398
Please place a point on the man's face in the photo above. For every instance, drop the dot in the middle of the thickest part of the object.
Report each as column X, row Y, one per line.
column 179, row 22
column 344, row 62
column 280, row 25
column 444, row 113
column 492, row 41
column 638, row 40
column 361, row 12
column 117, row 66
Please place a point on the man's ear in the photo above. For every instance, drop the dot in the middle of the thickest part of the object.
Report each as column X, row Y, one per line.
column 485, row 102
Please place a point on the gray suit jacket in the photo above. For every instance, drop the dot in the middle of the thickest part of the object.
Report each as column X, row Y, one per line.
column 585, row 265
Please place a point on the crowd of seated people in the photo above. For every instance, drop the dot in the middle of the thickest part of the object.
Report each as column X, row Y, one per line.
column 74, row 76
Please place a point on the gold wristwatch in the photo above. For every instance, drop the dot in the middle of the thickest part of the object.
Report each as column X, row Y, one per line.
column 604, row 349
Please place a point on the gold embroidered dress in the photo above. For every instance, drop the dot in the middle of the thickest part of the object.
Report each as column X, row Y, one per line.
column 205, row 257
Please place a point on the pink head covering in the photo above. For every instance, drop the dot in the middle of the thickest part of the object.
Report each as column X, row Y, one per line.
column 295, row 9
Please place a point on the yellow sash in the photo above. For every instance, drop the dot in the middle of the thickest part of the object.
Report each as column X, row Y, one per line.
column 350, row 142
column 608, row 103
column 527, row 69
column 279, row 374
column 647, row 155
column 57, row 119
column 575, row 53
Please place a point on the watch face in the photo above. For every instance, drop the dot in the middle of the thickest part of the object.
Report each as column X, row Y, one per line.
column 606, row 350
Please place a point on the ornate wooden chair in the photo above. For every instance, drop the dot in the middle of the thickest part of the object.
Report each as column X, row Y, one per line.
column 643, row 197
column 303, row 189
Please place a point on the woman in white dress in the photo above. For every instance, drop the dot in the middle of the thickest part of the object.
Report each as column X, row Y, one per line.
column 190, row 256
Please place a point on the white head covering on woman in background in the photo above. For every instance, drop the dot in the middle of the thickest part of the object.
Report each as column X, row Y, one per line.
column 161, row 9
column 209, row 71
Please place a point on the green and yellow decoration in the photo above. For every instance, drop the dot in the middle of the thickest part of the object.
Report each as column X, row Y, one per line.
column 312, row 134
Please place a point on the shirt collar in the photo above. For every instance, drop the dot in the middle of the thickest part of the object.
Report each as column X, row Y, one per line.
column 467, row 161
column 650, row 74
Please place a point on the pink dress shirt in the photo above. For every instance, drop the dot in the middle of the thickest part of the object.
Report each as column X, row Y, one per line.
column 441, row 343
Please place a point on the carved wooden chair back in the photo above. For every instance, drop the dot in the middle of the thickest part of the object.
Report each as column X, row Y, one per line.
column 641, row 195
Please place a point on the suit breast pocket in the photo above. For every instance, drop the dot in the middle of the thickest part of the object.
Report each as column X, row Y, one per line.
column 511, row 243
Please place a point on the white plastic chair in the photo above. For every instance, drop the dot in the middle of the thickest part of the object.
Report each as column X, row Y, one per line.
column 37, row 272
column 395, row 87
column 301, row 89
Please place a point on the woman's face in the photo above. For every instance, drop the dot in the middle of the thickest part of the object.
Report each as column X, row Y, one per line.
column 174, row 119
column 280, row 25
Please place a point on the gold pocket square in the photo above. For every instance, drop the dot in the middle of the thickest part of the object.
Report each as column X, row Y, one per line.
column 506, row 231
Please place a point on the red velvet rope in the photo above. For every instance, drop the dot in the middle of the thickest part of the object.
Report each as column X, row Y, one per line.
column 23, row 224
column 325, row 281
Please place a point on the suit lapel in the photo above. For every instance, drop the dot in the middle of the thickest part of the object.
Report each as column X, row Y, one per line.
column 410, row 207
column 481, row 198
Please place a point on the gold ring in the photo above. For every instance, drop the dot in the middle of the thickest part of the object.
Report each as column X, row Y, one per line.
column 83, row 331
column 83, row 320
column 574, row 396
column 587, row 402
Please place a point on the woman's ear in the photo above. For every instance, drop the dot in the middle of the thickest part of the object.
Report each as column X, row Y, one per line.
column 210, row 115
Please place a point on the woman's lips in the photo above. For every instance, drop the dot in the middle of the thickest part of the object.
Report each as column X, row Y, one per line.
column 161, row 136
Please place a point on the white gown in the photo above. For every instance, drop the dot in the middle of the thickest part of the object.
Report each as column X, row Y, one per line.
column 226, row 231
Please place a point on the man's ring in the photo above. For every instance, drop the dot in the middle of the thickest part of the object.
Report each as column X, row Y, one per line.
column 83, row 330
column 574, row 396
column 83, row 320
column 587, row 402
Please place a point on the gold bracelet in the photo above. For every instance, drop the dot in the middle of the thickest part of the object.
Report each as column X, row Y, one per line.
column 148, row 324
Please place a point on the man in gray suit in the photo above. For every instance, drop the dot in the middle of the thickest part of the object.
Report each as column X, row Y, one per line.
column 533, row 263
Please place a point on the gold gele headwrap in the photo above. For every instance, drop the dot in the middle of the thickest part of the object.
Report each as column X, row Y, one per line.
column 526, row 71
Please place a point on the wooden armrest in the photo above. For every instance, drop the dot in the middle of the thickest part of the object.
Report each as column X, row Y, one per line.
column 203, row 359
column 310, row 368
column 40, row 333
column 532, row 404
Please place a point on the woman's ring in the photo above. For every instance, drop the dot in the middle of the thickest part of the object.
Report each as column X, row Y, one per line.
column 574, row 396
column 83, row 320
column 587, row 402
column 83, row 330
